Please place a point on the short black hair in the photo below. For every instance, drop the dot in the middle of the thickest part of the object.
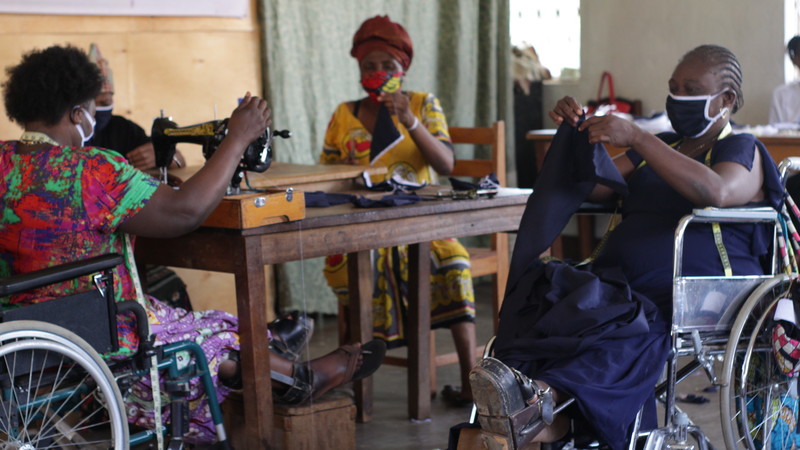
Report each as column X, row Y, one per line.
column 730, row 73
column 48, row 83
column 793, row 47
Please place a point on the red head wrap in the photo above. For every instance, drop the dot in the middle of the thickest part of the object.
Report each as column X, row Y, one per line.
column 381, row 34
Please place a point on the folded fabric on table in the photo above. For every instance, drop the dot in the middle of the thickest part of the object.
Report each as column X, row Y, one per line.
column 320, row 199
column 389, row 200
column 487, row 182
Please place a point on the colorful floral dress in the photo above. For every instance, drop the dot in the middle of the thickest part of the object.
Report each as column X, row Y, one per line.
column 452, row 297
column 62, row 204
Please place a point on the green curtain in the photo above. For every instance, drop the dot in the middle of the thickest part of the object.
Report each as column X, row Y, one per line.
column 461, row 54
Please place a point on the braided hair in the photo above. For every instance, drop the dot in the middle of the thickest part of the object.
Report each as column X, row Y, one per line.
column 48, row 83
column 728, row 69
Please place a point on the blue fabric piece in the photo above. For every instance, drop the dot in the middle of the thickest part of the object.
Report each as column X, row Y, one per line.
column 583, row 331
column 385, row 135
column 320, row 199
column 388, row 200
column 567, row 176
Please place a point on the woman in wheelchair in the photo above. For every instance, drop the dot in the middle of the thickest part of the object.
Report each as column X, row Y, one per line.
column 599, row 332
column 63, row 202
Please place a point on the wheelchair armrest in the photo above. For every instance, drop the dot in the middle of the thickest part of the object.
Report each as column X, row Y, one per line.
column 721, row 215
column 141, row 359
column 56, row 274
column 789, row 166
column 141, row 316
column 763, row 214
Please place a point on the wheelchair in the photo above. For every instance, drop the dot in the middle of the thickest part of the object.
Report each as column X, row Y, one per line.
column 56, row 391
column 731, row 319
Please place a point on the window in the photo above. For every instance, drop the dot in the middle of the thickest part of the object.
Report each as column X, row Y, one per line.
column 542, row 24
column 791, row 28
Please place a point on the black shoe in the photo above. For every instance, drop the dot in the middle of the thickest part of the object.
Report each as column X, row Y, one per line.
column 290, row 334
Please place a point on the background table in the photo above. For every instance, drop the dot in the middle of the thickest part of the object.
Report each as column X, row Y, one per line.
column 780, row 147
column 326, row 231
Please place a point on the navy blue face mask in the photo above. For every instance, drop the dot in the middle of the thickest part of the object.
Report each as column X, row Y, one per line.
column 103, row 116
column 689, row 113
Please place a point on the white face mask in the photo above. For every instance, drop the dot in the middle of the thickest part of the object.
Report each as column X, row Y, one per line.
column 79, row 126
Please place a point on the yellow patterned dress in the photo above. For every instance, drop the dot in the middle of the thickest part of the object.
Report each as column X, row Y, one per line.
column 452, row 297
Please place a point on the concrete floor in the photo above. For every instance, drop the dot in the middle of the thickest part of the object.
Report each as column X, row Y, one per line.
column 392, row 429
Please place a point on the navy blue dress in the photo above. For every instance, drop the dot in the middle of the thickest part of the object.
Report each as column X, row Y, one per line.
column 600, row 333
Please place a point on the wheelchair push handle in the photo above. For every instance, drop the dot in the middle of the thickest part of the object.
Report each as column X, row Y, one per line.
column 56, row 274
column 789, row 166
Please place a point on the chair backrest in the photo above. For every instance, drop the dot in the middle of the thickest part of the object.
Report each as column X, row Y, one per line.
column 494, row 137
column 495, row 259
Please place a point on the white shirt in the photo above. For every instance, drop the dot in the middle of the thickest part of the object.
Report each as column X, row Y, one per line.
column 785, row 104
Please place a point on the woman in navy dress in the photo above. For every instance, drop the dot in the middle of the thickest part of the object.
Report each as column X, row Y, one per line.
column 600, row 333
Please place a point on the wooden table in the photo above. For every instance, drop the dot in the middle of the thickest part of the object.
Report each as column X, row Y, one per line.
column 780, row 147
column 326, row 231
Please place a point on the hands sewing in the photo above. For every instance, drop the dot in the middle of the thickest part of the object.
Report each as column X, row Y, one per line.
column 397, row 104
column 250, row 119
column 608, row 129
column 142, row 157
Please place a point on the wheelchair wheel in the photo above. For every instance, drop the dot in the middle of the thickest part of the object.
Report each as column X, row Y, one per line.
column 758, row 407
column 56, row 391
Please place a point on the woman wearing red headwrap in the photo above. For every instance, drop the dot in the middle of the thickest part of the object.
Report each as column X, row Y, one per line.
column 407, row 133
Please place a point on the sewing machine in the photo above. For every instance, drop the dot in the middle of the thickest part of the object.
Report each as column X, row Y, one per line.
column 166, row 134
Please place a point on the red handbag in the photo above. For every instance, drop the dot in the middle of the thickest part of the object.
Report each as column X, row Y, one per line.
column 610, row 103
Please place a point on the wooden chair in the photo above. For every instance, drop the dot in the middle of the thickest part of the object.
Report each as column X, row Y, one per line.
column 492, row 260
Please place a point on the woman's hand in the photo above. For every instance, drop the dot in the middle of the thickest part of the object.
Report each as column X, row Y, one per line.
column 143, row 157
column 397, row 104
column 566, row 109
column 611, row 130
column 249, row 120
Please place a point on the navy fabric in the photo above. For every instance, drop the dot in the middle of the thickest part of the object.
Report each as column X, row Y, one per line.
column 580, row 330
column 567, row 176
column 385, row 134
column 388, row 200
column 320, row 199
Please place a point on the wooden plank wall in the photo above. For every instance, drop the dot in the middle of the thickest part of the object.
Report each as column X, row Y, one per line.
column 184, row 66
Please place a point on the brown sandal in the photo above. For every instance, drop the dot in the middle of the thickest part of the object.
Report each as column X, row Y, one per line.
column 307, row 384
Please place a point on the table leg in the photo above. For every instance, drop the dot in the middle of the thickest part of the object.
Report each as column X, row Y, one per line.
column 359, row 273
column 252, row 303
column 419, row 329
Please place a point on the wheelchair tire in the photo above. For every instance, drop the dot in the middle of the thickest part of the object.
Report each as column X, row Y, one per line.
column 56, row 391
column 754, row 389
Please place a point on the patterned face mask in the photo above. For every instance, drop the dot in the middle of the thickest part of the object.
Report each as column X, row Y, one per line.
column 382, row 81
